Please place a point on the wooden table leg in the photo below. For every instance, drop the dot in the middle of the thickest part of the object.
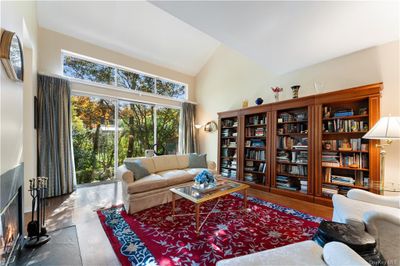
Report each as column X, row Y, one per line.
column 173, row 204
column 245, row 198
column 197, row 207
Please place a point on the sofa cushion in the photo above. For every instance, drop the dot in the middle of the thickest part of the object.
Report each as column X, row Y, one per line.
column 165, row 162
column 145, row 162
column 183, row 161
column 137, row 168
column 197, row 160
column 174, row 177
column 147, row 183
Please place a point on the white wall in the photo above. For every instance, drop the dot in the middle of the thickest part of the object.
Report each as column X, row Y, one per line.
column 17, row 134
column 229, row 77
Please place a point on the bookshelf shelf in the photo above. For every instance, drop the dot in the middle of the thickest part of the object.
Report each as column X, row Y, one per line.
column 345, row 185
column 346, row 168
column 259, row 125
column 346, row 117
column 262, row 139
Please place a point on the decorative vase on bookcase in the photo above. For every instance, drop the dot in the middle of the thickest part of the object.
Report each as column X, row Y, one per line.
column 276, row 94
column 295, row 90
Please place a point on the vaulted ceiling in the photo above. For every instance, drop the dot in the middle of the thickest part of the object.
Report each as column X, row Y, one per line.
column 287, row 35
column 137, row 29
column 182, row 35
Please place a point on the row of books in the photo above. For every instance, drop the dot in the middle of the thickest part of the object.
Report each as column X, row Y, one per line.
column 255, row 143
column 292, row 117
column 256, row 167
column 285, row 182
column 255, row 154
column 229, row 123
column 292, row 143
column 258, row 131
column 292, row 128
column 228, row 173
column 256, row 120
column 355, row 160
column 359, row 178
column 330, row 190
column 225, row 163
column 258, row 179
column 225, row 143
column 303, row 186
column 300, row 170
column 355, row 144
column 340, row 125
column 226, row 132
column 228, row 152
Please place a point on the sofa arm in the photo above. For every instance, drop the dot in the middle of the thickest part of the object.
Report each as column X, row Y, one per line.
column 124, row 174
column 211, row 165
column 379, row 222
column 338, row 254
column 362, row 195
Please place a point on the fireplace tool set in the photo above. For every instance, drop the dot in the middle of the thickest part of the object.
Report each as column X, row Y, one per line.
column 37, row 233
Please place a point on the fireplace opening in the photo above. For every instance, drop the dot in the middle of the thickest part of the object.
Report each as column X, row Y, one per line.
column 10, row 230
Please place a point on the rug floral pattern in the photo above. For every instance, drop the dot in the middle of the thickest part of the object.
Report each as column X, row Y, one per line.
column 153, row 237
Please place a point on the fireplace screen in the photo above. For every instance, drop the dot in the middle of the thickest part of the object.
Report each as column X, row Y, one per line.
column 9, row 232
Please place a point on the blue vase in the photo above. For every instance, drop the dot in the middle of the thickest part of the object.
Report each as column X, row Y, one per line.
column 259, row 101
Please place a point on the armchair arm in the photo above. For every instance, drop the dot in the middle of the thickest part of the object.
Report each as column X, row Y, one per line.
column 362, row 195
column 211, row 165
column 124, row 174
column 338, row 254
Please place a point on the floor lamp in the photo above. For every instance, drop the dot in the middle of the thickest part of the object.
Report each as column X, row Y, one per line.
column 387, row 129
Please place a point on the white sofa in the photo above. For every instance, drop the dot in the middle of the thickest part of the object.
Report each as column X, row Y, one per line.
column 302, row 253
column 166, row 171
column 378, row 215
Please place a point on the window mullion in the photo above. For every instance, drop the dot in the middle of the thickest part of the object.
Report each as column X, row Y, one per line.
column 155, row 124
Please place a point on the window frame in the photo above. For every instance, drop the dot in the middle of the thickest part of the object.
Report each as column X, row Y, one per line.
column 115, row 83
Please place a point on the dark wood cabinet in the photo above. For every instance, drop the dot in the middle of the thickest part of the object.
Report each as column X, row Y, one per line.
column 307, row 148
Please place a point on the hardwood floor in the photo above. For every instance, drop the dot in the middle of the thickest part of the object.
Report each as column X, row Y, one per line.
column 80, row 207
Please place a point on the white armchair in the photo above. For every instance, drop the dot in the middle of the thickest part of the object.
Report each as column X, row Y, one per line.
column 378, row 215
column 302, row 253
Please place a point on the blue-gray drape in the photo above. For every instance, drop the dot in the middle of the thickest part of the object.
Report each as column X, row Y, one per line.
column 188, row 141
column 55, row 156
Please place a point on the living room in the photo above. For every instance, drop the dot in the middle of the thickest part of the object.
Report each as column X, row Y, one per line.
column 200, row 133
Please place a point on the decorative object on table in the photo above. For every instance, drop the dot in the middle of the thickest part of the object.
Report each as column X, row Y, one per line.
column 295, row 91
column 245, row 103
column 358, row 240
column 204, row 180
column 12, row 56
column 259, row 101
column 276, row 91
column 387, row 129
column 210, row 126
column 37, row 233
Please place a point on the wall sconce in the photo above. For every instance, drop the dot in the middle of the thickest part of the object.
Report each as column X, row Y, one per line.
column 210, row 126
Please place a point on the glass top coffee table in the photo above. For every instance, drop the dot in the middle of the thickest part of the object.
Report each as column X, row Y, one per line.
column 223, row 188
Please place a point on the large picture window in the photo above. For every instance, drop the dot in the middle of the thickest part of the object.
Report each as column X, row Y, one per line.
column 96, row 138
column 78, row 67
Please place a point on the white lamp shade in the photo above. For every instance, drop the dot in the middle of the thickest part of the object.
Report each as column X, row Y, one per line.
column 386, row 128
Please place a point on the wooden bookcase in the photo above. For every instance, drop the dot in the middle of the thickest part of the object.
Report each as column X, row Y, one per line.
column 305, row 148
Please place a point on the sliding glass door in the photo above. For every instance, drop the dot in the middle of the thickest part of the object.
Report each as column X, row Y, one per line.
column 93, row 133
column 106, row 131
column 136, row 129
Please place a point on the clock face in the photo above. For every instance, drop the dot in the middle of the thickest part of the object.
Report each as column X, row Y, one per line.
column 16, row 57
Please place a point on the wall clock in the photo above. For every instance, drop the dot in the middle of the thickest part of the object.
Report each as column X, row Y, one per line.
column 11, row 55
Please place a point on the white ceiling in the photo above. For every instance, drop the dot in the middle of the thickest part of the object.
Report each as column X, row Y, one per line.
column 137, row 29
column 285, row 36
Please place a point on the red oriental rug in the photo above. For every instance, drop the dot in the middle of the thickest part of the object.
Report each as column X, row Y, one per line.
column 152, row 237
